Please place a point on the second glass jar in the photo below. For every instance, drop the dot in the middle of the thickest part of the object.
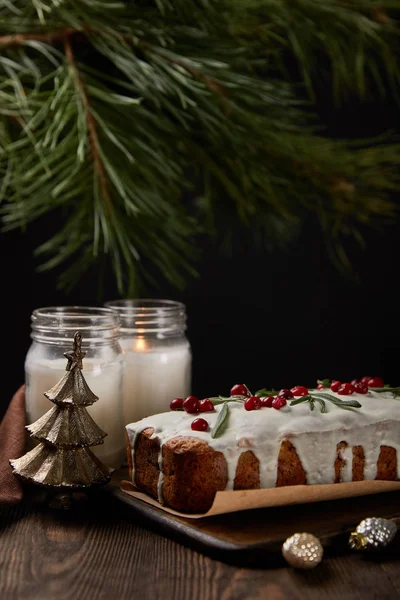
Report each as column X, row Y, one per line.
column 157, row 355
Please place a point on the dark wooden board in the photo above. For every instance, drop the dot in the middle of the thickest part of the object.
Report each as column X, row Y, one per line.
column 247, row 537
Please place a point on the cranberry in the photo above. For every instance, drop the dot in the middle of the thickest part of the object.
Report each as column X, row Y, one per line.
column 252, row 403
column 335, row 385
column 375, row 382
column 355, row 381
column 366, row 379
column 191, row 404
column 345, row 389
column 199, row 425
column 361, row 388
column 299, row 390
column 320, row 387
column 239, row 390
column 279, row 402
column 284, row 393
column 206, row 405
column 176, row 403
column 267, row 401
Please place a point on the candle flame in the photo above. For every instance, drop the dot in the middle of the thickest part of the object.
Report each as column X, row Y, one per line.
column 141, row 345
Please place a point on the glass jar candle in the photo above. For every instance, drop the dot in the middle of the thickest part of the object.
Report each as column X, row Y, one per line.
column 157, row 355
column 52, row 334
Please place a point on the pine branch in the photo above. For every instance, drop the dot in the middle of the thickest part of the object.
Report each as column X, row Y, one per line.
column 111, row 111
column 47, row 37
column 91, row 124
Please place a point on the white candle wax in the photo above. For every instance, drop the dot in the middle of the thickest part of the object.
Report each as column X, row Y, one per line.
column 153, row 376
column 104, row 381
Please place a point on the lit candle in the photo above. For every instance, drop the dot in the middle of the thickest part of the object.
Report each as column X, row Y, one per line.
column 157, row 355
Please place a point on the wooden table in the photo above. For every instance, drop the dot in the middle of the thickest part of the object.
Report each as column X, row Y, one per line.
column 99, row 552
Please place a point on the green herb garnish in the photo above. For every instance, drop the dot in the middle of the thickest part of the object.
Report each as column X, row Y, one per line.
column 264, row 392
column 222, row 399
column 394, row 391
column 346, row 404
column 314, row 396
column 320, row 397
column 310, row 400
column 325, row 382
column 301, row 400
column 221, row 421
column 322, row 404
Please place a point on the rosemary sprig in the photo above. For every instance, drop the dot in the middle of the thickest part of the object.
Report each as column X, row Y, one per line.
column 310, row 400
column 264, row 392
column 222, row 399
column 345, row 404
column 394, row 391
column 322, row 404
column 301, row 400
column 320, row 397
column 221, row 421
column 325, row 382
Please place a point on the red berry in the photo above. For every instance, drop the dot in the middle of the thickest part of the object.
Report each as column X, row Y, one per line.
column 320, row 387
column 206, row 405
column 355, row 381
column 191, row 404
column 279, row 402
column 199, row 425
column 252, row 403
column 239, row 390
column 284, row 393
column 361, row 388
column 375, row 382
column 176, row 403
column 299, row 390
column 345, row 389
column 366, row 379
column 335, row 385
column 267, row 401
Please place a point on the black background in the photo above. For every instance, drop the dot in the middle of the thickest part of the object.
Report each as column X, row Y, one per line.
column 262, row 318
column 276, row 319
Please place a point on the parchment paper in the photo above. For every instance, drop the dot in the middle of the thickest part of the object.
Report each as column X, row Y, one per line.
column 232, row 501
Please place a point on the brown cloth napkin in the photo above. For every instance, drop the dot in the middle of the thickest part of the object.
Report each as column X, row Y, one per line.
column 12, row 445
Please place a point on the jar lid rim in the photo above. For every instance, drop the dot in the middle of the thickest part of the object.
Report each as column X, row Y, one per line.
column 74, row 312
column 48, row 319
column 133, row 305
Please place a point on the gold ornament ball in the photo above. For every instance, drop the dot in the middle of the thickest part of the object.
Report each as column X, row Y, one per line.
column 303, row 551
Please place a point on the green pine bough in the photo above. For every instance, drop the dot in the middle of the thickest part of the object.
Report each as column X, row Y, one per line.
column 113, row 113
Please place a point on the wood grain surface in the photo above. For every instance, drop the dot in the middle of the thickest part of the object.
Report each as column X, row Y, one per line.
column 95, row 552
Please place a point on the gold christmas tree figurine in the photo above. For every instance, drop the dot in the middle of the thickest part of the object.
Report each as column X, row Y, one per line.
column 63, row 458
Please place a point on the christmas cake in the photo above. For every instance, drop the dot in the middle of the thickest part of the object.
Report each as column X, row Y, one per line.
column 337, row 432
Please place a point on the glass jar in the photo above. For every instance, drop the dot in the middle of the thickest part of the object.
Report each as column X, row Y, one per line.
column 52, row 334
column 158, row 358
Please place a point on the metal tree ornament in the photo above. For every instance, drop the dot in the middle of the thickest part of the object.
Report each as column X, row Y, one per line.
column 63, row 458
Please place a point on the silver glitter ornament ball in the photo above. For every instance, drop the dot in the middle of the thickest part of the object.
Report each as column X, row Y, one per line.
column 303, row 551
column 372, row 534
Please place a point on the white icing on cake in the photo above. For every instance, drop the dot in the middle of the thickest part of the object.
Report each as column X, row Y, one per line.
column 313, row 434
